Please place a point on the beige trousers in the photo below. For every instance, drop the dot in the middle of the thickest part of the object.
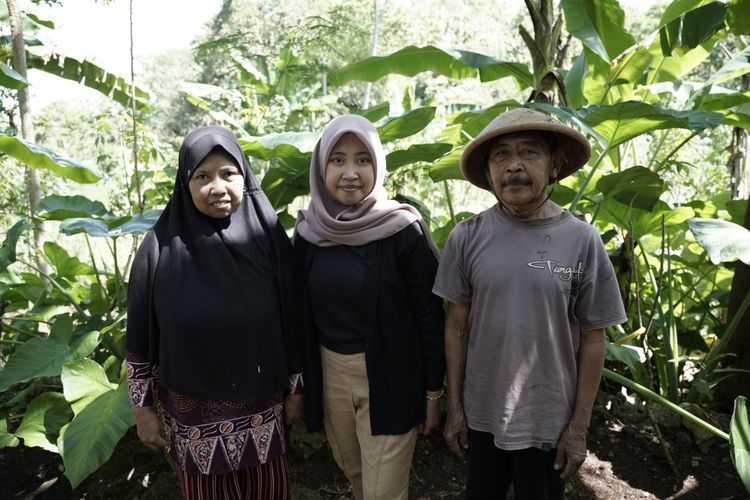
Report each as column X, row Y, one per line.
column 377, row 466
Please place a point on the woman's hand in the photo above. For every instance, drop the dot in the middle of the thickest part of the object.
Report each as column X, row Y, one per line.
column 432, row 418
column 294, row 408
column 150, row 427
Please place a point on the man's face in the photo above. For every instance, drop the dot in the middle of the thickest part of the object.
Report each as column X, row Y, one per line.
column 520, row 165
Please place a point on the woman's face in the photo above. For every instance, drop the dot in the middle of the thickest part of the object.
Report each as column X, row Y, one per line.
column 350, row 172
column 216, row 185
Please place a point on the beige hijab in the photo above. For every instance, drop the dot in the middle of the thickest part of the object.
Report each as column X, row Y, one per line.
column 327, row 222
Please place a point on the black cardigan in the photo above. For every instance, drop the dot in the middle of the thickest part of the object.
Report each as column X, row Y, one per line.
column 404, row 350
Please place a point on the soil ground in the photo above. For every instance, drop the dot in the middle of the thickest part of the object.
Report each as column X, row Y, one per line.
column 625, row 461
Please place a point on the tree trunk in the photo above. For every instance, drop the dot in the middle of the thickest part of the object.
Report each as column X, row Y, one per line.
column 377, row 19
column 33, row 185
column 739, row 345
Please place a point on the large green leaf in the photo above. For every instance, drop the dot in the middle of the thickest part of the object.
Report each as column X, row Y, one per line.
column 739, row 438
column 66, row 265
column 45, row 357
column 738, row 19
column 89, row 439
column 599, row 25
column 283, row 145
column 679, row 8
column 378, row 112
column 58, row 207
column 83, row 381
column 416, row 153
column 92, row 227
column 724, row 241
column 448, row 167
column 7, row 440
column 623, row 121
column 738, row 66
column 630, row 357
column 643, row 222
column 87, row 74
column 412, row 60
column 409, row 123
column 692, row 28
column 11, row 79
column 636, row 186
column 43, row 419
column 8, row 249
column 287, row 180
column 35, row 156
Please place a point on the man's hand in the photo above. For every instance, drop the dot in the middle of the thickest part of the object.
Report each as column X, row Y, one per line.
column 432, row 418
column 456, row 432
column 571, row 452
column 294, row 408
column 150, row 427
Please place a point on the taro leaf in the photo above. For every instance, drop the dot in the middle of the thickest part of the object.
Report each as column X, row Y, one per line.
column 456, row 64
column 738, row 66
column 628, row 356
column 738, row 19
column 92, row 227
column 405, row 125
column 8, row 249
column 84, row 380
column 623, row 121
column 283, row 145
column 11, row 79
column 423, row 209
column 378, row 112
column 287, row 179
column 724, row 241
column 416, row 153
column 89, row 439
column 44, row 357
column 440, row 235
column 643, row 221
column 38, row 157
column 739, row 439
column 447, row 167
column 66, row 266
column 43, row 419
column 6, row 438
column 57, row 207
column 135, row 224
column 636, row 186
column 692, row 28
column 598, row 25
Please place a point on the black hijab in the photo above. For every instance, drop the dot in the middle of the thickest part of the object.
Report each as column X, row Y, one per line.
column 213, row 301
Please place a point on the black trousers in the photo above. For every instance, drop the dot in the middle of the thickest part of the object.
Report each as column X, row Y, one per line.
column 491, row 471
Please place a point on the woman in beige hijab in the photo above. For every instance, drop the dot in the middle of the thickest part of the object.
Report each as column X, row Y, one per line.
column 373, row 330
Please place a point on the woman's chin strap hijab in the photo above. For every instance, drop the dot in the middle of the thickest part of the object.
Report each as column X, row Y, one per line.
column 209, row 277
column 326, row 222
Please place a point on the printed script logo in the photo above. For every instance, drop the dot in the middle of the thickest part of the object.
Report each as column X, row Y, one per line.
column 565, row 273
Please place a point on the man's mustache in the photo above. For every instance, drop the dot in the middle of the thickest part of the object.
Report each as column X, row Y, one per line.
column 516, row 180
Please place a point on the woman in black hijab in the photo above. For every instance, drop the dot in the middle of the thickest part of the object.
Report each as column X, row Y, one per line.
column 212, row 325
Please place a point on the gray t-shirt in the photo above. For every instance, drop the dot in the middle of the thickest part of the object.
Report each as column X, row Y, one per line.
column 532, row 288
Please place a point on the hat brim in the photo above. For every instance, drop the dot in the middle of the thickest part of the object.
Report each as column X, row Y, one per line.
column 573, row 144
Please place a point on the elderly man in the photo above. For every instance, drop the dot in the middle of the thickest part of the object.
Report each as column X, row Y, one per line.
column 530, row 290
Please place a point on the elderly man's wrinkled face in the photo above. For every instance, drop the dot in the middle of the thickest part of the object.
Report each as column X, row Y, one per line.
column 520, row 165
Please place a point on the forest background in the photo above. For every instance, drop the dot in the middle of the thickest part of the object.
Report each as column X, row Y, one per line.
column 661, row 92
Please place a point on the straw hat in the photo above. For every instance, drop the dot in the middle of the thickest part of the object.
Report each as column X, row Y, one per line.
column 574, row 146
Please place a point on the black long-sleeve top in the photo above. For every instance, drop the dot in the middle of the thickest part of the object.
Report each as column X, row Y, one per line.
column 404, row 351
